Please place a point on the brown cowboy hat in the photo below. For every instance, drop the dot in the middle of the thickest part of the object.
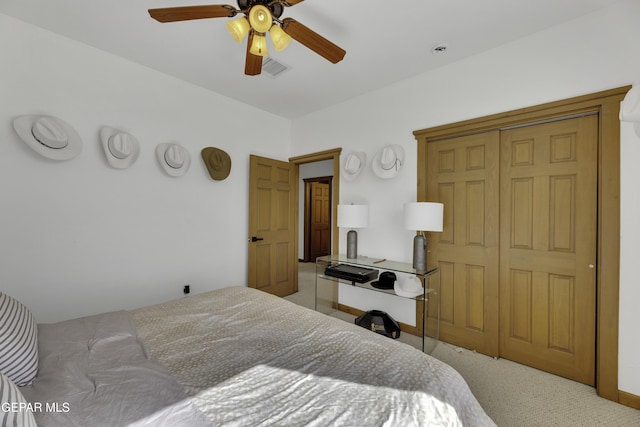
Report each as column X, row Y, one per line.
column 218, row 163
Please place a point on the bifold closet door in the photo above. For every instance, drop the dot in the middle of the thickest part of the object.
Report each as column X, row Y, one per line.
column 548, row 217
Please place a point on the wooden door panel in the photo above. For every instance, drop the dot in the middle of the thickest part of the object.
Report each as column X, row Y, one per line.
column 283, row 209
column 548, row 247
column 272, row 221
column 446, row 195
column 475, row 217
column 283, row 264
column 463, row 175
column 446, row 293
column 561, row 312
column 562, row 214
column 263, row 204
column 474, row 295
column 320, row 221
column 521, row 288
column 262, row 266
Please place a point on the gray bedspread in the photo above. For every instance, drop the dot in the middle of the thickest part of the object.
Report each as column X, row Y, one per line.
column 93, row 371
column 239, row 357
column 248, row 358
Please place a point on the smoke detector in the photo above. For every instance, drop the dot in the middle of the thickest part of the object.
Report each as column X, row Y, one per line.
column 439, row 49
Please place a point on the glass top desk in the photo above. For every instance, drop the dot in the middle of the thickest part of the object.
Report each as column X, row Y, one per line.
column 327, row 295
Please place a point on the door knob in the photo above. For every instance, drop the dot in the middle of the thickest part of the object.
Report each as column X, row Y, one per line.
column 255, row 239
column 591, row 266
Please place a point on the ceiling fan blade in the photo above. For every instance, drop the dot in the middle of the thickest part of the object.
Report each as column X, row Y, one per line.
column 253, row 63
column 314, row 41
column 186, row 13
column 292, row 2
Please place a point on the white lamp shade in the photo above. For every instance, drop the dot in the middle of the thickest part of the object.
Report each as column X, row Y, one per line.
column 630, row 105
column 423, row 216
column 353, row 216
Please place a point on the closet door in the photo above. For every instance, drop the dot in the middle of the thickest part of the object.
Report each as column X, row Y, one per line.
column 463, row 174
column 548, row 231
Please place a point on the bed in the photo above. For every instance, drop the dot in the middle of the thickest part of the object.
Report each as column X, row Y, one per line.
column 234, row 357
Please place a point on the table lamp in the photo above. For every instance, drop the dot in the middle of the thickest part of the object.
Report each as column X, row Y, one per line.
column 422, row 216
column 353, row 216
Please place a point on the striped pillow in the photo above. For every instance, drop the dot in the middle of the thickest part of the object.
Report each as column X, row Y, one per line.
column 14, row 409
column 18, row 341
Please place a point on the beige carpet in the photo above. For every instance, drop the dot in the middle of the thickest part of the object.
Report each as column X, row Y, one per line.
column 512, row 394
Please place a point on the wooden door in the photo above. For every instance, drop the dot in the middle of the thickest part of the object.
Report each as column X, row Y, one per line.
column 319, row 220
column 272, row 221
column 548, row 247
column 463, row 174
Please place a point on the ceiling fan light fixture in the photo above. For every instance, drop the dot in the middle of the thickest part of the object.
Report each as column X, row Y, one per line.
column 256, row 19
column 260, row 18
column 238, row 28
column 280, row 39
column 259, row 45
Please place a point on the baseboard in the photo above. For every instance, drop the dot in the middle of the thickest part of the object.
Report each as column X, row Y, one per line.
column 628, row 399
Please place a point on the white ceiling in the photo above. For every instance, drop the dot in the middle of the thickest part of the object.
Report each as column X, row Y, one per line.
column 386, row 41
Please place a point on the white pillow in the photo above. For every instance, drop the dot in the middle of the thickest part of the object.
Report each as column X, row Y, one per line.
column 14, row 408
column 18, row 341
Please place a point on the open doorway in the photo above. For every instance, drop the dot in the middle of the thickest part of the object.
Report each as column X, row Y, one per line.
column 320, row 166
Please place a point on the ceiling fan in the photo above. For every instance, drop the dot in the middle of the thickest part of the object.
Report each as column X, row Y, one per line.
column 260, row 17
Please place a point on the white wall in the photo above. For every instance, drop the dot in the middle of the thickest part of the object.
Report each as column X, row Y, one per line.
column 596, row 52
column 629, row 346
column 79, row 237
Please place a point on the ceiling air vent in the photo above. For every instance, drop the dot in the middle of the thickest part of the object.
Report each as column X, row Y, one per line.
column 273, row 68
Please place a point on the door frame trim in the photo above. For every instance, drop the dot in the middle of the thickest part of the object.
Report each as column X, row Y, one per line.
column 333, row 154
column 607, row 105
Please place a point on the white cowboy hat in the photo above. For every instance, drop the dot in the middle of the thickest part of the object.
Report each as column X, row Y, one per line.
column 630, row 108
column 353, row 164
column 173, row 158
column 49, row 136
column 388, row 161
column 120, row 148
column 408, row 287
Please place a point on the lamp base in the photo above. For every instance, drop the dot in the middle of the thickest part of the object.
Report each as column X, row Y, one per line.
column 352, row 244
column 420, row 253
